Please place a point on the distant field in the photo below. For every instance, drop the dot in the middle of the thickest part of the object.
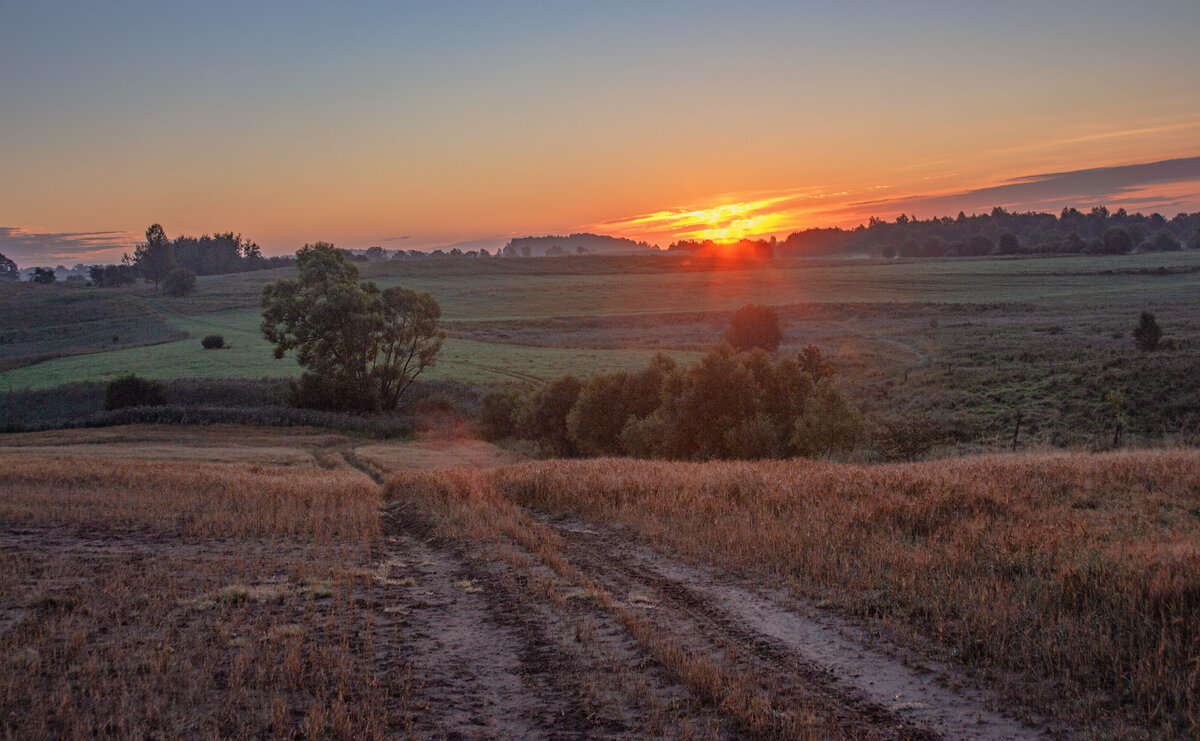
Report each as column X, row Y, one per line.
column 542, row 288
column 43, row 322
column 969, row 343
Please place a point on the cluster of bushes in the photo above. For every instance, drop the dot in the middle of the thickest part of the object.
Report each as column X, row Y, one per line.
column 728, row 405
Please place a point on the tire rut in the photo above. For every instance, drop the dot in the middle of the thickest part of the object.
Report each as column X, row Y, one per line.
column 804, row 657
column 488, row 662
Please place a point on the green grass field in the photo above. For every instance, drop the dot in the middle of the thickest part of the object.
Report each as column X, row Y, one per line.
column 248, row 355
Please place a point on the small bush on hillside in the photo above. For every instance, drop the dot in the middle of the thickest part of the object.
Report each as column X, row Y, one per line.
column 599, row 414
column 213, row 342
column 131, row 391
column 435, row 402
column 906, row 439
column 180, row 282
column 544, row 418
column 499, row 414
column 1148, row 333
column 754, row 326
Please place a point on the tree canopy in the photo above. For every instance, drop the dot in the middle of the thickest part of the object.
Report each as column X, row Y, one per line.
column 8, row 269
column 361, row 347
column 44, row 276
column 753, row 326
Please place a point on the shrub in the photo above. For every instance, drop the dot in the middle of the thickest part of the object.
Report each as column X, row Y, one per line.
column 131, row 391
column 331, row 394
column 747, row 406
column 599, row 414
column 905, row 439
column 754, row 439
column 829, row 424
column 703, row 401
column 816, row 365
column 213, row 342
column 180, row 282
column 499, row 413
column 1148, row 333
column 544, row 418
column 435, row 402
column 754, row 326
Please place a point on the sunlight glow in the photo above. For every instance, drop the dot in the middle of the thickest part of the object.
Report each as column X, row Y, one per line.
column 720, row 223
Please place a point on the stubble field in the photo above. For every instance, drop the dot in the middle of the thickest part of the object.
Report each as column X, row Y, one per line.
column 175, row 581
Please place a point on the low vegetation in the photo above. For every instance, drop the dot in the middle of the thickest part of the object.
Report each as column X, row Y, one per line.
column 131, row 391
column 212, row 401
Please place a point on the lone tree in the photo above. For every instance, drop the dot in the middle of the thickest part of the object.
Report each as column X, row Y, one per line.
column 1148, row 333
column 753, row 326
column 155, row 258
column 361, row 347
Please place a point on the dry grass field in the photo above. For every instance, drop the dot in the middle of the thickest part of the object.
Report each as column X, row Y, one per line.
column 1067, row 583
column 157, row 599
column 157, row 583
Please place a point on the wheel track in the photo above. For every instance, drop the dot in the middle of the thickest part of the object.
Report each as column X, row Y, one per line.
column 802, row 659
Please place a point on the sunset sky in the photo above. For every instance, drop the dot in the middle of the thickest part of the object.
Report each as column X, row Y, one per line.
column 413, row 125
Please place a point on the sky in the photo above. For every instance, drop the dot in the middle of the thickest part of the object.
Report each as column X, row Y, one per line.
column 415, row 125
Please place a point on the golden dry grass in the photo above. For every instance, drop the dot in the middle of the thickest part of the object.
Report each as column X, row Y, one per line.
column 1070, row 581
column 215, row 443
column 188, row 599
column 429, row 454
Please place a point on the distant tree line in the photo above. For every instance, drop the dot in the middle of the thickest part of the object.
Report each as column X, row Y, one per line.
column 1000, row 232
column 573, row 244
column 175, row 263
column 760, row 249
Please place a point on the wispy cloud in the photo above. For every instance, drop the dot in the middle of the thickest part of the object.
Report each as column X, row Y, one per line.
column 33, row 246
column 1046, row 190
